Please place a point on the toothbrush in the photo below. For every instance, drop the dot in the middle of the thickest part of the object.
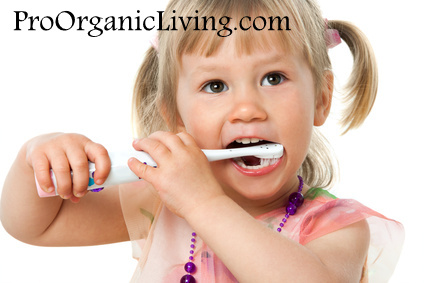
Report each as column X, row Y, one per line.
column 120, row 173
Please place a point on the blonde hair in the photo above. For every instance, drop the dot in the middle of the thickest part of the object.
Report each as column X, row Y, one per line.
column 154, row 100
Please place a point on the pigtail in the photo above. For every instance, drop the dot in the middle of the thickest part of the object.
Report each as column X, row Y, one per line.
column 145, row 115
column 361, row 88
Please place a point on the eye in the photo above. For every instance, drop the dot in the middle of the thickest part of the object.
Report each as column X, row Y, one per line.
column 272, row 79
column 215, row 87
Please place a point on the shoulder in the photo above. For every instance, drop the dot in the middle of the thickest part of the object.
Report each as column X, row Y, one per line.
column 349, row 228
column 324, row 213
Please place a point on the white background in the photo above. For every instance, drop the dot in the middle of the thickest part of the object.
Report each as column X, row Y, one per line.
column 67, row 81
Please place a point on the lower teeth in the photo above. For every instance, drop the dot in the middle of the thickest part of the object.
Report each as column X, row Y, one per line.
column 265, row 162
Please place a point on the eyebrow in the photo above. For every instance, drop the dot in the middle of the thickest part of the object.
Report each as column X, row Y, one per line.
column 208, row 68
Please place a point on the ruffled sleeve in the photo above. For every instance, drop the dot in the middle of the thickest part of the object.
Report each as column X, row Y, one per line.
column 326, row 214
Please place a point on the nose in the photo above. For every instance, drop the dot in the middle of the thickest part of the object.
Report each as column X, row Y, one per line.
column 247, row 106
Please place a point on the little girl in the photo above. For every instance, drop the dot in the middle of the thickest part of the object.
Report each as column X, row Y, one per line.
column 239, row 220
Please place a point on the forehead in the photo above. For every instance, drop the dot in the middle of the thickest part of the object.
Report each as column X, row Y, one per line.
column 243, row 42
column 229, row 53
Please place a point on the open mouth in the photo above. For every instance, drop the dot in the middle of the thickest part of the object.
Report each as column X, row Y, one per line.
column 251, row 162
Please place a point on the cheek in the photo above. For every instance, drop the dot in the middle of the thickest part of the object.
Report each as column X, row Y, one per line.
column 295, row 111
column 198, row 122
column 297, row 125
column 298, row 130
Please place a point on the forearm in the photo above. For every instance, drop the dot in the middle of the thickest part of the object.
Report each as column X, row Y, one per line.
column 86, row 220
column 251, row 251
column 23, row 213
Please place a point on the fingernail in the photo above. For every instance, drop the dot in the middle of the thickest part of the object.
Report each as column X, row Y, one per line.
column 68, row 196
column 49, row 190
column 79, row 195
column 99, row 181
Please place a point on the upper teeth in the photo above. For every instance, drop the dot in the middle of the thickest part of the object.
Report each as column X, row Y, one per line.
column 248, row 140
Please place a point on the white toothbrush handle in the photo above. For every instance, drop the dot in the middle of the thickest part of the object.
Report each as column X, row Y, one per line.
column 120, row 173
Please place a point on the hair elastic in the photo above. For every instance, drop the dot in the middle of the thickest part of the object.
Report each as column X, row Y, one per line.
column 154, row 41
column 332, row 36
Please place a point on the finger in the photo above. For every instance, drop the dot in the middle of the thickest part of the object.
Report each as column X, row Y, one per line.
column 79, row 165
column 155, row 147
column 98, row 154
column 166, row 138
column 187, row 139
column 41, row 167
column 136, row 143
column 190, row 144
column 142, row 170
column 170, row 140
column 75, row 199
column 62, row 172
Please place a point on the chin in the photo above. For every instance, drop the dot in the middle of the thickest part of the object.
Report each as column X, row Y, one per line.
column 258, row 193
column 254, row 189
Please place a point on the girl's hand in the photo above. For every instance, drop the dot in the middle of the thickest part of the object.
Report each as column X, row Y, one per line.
column 63, row 153
column 183, row 177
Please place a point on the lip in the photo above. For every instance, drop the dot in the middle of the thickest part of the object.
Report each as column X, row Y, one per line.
column 257, row 172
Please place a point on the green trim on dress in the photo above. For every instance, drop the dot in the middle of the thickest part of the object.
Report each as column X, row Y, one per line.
column 313, row 193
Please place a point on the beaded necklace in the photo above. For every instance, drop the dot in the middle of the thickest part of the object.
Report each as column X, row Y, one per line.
column 295, row 201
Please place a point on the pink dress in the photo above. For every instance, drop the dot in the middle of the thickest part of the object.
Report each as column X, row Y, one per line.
column 161, row 240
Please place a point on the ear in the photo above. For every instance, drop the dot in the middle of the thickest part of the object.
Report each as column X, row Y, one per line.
column 180, row 124
column 323, row 100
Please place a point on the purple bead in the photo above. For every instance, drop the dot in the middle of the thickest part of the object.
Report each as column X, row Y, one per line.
column 187, row 279
column 296, row 199
column 278, row 229
column 291, row 209
column 194, row 234
column 190, row 267
column 191, row 258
